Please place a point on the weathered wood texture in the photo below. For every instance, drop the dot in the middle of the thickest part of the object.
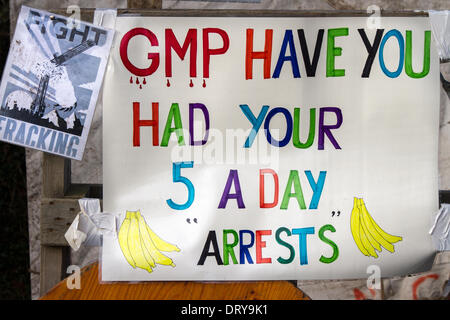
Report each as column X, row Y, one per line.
column 55, row 260
column 148, row 4
column 59, row 206
column 56, row 171
column 91, row 289
column 89, row 13
column 55, row 216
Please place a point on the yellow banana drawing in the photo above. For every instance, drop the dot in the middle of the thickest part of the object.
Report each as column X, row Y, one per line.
column 149, row 245
column 390, row 238
column 368, row 236
column 366, row 243
column 123, row 240
column 135, row 245
column 159, row 243
column 354, row 227
column 140, row 245
column 373, row 243
column 366, row 220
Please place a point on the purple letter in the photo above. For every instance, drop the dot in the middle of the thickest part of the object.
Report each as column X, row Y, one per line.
column 233, row 176
column 326, row 129
column 203, row 108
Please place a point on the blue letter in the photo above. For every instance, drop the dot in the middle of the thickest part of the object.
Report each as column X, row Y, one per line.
column 256, row 122
column 243, row 248
column 316, row 187
column 401, row 44
column 302, row 232
column 176, row 171
column 288, row 135
column 288, row 40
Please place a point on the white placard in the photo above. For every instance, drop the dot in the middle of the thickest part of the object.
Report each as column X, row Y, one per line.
column 231, row 154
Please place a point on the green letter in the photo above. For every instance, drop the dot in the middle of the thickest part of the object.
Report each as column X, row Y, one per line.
column 285, row 244
column 312, row 129
column 333, row 51
column 174, row 114
column 329, row 242
column 298, row 194
column 426, row 56
column 228, row 248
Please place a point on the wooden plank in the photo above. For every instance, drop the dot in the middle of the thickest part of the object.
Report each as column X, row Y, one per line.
column 53, row 262
column 57, row 214
column 91, row 289
column 147, row 4
column 77, row 191
column 56, row 217
column 267, row 13
column 55, row 175
column 88, row 13
column 54, row 259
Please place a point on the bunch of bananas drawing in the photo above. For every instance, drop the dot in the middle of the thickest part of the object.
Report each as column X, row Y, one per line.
column 140, row 245
column 367, row 234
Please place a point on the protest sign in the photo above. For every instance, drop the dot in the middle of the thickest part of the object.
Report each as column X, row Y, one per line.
column 246, row 148
column 51, row 82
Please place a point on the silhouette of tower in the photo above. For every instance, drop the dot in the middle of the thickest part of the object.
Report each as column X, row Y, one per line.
column 38, row 104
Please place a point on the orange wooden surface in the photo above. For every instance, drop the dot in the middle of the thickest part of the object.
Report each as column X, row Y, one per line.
column 91, row 289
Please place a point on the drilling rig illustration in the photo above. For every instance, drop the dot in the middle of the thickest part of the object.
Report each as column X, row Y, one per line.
column 38, row 105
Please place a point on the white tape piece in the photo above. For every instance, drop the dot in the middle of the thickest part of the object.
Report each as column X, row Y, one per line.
column 90, row 224
column 89, row 206
column 87, row 226
column 442, row 211
column 441, row 228
column 105, row 18
column 440, row 27
column 74, row 236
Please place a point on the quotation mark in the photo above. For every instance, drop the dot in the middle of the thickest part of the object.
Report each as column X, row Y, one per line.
column 189, row 220
column 335, row 213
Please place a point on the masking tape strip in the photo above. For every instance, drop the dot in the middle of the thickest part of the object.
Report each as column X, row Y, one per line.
column 90, row 224
column 105, row 18
column 441, row 228
column 442, row 211
column 440, row 27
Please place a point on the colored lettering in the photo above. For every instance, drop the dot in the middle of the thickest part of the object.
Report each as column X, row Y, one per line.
column 244, row 240
column 285, row 244
column 333, row 245
column 262, row 202
column 396, row 34
column 333, row 51
column 251, row 55
column 260, row 244
column 174, row 116
column 302, row 242
column 233, row 178
column 228, row 248
column 293, row 126
column 189, row 42
column 288, row 41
